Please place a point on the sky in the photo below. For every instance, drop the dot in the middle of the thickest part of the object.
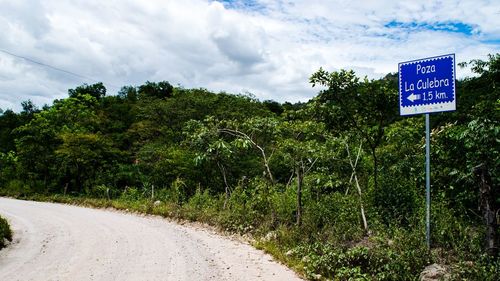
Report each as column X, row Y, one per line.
column 261, row 47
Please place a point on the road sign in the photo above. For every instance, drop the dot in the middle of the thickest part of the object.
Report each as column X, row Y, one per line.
column 427, row 85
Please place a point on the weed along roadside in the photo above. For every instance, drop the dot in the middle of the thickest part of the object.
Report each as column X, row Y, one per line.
column 5, row 232
column 335, row 187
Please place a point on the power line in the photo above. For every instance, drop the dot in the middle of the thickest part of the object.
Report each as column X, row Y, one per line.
column 55, row 68
column 47, row 65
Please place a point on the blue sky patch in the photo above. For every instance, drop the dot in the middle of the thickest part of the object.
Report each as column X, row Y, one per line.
column 491, row 41
column 457, row 27
column 251, row 5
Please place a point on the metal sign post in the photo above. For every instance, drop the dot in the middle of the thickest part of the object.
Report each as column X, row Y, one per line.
column 427, row 86
column 427, row 181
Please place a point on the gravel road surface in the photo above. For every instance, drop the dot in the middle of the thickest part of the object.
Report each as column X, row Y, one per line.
column 62, row 242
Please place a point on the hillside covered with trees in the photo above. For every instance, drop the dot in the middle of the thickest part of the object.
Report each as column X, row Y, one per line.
column 334, row 187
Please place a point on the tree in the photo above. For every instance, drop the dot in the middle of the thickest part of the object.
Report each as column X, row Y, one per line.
column 39, row 138
column 160, row 90
column 348, row 103
column 83, row 155
column 470, row 147
column 8, row 167
column 9, row 121
column 128, row 93
column 300, row 144
column 259, row 133
column 29, row 108
column 96, row 91
column 204, row 137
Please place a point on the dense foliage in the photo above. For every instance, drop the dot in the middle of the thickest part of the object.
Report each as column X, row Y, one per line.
column 334, row 187
column 5, row 232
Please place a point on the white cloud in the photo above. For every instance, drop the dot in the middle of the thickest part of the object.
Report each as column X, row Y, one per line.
column 269, row 48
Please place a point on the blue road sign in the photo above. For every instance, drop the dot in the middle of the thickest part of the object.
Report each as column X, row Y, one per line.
column 427, row 85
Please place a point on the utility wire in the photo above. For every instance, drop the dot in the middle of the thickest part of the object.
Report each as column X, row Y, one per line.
column 55, row 68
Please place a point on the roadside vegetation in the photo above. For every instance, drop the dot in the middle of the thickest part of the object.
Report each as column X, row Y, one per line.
column 5, row 232
column 333, row 187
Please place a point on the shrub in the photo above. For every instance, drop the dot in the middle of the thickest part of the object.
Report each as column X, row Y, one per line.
column 451, row 232
column 483, row 268
column 202, row 206
column 16, row 188
column 285, row 205
column 395, row 200
column 131, row 194
column 400, row 257
column 102, row 192
column 336, row 217
column 5, row 232
column 178, row 190
column 239, row 214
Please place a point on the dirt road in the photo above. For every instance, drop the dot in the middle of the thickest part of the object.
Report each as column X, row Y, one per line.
column 61, row 242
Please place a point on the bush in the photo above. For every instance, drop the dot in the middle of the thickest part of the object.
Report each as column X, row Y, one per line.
column 239, row 214
column 400, row 257
column 395, row 200
column 102, row 192
column 131, row 194
column 285, row 206
column 16, row 188
column 336, row 217
column 451, row 232
column 483, row 268
column 5, row 232
column 333, row 262
column 202, row 206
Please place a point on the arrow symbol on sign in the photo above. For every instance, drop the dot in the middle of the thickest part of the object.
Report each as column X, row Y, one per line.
column 413, row 97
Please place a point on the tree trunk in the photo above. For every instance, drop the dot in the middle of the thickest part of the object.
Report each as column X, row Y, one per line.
column 242, row 135
column 45, row 182
column 355, row 176
column 365, row 223
column 78, row 181
column 266, row 164
column 375, row 169
column 299, row 195
column 226, row 185
column 488, row 207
